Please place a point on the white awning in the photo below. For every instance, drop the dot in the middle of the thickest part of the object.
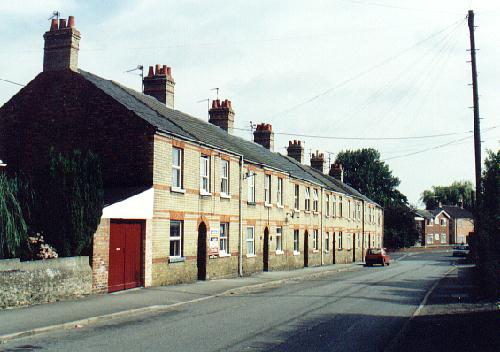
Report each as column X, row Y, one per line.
column 139, row 206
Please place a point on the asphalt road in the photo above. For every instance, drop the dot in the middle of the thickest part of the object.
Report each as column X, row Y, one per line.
column 351, row 311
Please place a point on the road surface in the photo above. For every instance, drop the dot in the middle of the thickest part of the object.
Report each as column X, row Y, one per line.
column 351, row 311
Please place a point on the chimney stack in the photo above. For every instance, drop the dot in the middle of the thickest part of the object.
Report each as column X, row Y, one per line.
column 318, row 161
column 222, row 115
column 62, row 42
column 264, row 136
column 337, row 171
column 159, row 84
column 296, row 151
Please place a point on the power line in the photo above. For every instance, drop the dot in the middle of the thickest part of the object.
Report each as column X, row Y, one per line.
column 399, row 7
column 362, row 73
column 12, row 82
column 367, row 138
column 437, row 146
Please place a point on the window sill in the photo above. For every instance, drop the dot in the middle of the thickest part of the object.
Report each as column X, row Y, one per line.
column 315, row 213
column 307, row 211
column 340, row 249
column 280, row 206
column 279, row 252
column 315, row 251
column 225, row 196
column 267, row 205
column 224, row 255
column 177, row 190
column 205, row 194
column 251, row 255
column 327, row 251
column 172, row 260
column 296, row 253
column 295, row 210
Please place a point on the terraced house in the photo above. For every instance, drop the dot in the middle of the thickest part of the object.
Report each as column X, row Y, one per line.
column 186, row 199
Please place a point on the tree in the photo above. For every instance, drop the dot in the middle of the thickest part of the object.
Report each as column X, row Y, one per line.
column 70, row 201
column 364, row 171
column 455, row 194
column 13, row 227
column 488, row 226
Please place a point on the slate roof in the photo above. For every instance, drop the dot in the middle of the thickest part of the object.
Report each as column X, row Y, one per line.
column 457, row 212
column 424, row 213
column 191, row 128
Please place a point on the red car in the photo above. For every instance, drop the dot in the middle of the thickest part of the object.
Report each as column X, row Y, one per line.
column 376, row 256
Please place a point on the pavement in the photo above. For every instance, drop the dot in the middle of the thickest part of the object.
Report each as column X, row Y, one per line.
column 73, row 314
column 453, row 317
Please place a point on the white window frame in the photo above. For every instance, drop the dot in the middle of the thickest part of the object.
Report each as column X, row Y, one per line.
column 349, row 209
column 307, row 199
column 224, row 177
column 205, row 174
column 315, row 243
column 340, row 240
column 429, row 238
column 251, row 186
column 442, row 222
column 177, row 169
column 349, row 241
column 173, row 239
column 296, row 241
column 250, row 240
column 327, row 205
column 279, row 240
column 267, row 190
column 443, row 238
column 334, row 206
column 279, row 193
column 327, row 242
column 296, row 204
column 315, row 200
column 224, row 239
column 341, row 207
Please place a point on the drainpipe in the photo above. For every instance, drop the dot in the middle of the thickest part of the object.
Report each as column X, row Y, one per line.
column 362, row 230
column 321, row 226
column 240, row 220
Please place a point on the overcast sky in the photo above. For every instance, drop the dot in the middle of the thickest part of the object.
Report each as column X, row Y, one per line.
column 334, row 68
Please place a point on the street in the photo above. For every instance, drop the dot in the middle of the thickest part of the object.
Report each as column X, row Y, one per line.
column 360, row 310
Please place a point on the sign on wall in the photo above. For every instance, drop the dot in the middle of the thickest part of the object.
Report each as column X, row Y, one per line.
column 214, row 243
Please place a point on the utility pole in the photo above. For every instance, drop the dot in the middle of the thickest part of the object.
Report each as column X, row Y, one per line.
column 477, row 132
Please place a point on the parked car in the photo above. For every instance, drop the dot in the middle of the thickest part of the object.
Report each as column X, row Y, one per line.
column 377, row 256
column 461, row 251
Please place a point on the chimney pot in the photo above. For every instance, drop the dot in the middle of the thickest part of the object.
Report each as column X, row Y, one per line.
column 61, row 46
column 295, row 150
column 71, row 21
column 264, row 136
column 222, row 115
column 158, row 86
column 53, row 25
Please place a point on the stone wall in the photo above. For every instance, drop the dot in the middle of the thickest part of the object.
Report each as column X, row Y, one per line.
column 42, row 281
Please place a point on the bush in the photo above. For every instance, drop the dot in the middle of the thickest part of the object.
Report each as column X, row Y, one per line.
column 13, row 227
column 69, row 201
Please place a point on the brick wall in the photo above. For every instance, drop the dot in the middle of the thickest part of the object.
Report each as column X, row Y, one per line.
column 63, row 110
column 27, row 283
column 436, row 228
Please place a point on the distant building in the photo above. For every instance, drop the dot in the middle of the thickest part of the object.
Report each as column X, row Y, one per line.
column 444, row 225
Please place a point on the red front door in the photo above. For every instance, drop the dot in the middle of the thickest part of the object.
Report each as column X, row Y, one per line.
column 124, row 256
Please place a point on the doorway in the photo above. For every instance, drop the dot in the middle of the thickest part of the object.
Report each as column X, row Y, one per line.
column 125, row 248
column 201, row 257
column 306, row 249
column 265, row 256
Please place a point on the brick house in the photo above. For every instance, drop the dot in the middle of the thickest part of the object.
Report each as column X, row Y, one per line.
column 185, row 199
column 434, row 227
column 461, row 223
